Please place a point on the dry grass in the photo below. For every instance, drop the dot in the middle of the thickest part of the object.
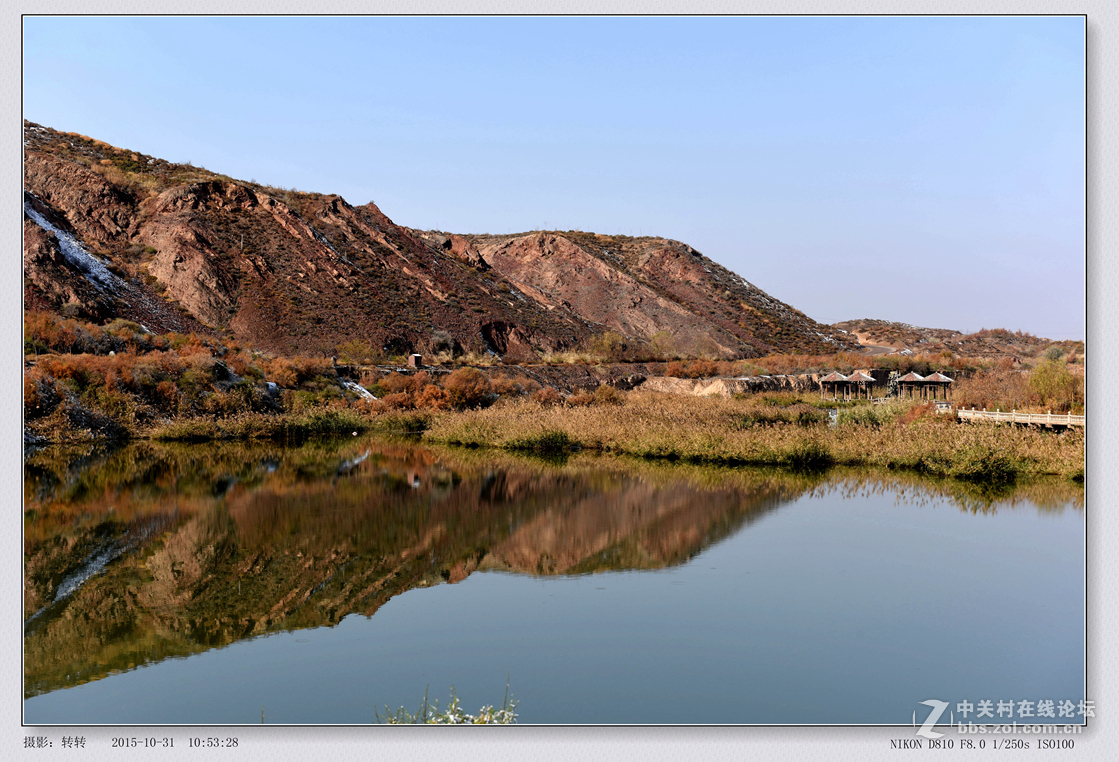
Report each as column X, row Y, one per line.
column 700, row 430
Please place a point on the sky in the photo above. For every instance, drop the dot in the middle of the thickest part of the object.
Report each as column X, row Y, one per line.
column 927, row 170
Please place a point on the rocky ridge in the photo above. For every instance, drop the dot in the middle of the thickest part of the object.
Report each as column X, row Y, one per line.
column 290, row 272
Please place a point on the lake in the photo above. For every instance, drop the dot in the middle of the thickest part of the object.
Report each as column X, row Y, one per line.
column 214, row 584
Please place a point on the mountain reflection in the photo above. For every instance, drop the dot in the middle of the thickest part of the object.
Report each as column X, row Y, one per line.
column 202, row 546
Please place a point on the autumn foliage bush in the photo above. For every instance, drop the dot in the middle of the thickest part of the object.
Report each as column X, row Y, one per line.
column 291, row 371
column 694, row 369
column 467, row 387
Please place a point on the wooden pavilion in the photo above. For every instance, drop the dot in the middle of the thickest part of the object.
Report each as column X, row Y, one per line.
column 937, row 385
column 861, row 384
column 910, row 385
column 838, row 382
column 932, row 387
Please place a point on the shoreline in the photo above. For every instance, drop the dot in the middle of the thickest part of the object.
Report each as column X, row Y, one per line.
column 673, row 428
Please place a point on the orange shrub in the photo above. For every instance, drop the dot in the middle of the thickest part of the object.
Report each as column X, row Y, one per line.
column 398, row 401
column 512, row 385
column 467, row 387
column 399, row 383
column 694, row 369
column 432, row 397
column 547, row 396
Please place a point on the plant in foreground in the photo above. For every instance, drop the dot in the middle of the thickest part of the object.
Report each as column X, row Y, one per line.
column 452, row 715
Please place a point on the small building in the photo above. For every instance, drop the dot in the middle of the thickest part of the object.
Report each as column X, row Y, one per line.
column 938, row 385
column 931, row 387
column 911, row 385
column 839, row 384
column 861, row 384
column 415, row 361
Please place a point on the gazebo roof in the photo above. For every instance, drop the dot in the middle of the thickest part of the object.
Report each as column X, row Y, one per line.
column 938, row 378
column 860, row 377
column 910, row 378
column 835, row 375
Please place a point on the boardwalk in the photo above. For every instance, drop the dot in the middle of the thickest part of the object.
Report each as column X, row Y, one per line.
column 1036, row 419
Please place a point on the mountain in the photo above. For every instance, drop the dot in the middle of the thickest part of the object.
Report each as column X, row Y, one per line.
column 988, row 342
column 113, row 233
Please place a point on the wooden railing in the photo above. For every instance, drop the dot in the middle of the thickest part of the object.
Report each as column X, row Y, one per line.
column 1037, row 419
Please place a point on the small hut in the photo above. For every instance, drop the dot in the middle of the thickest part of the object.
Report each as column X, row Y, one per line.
column 937, row 384
column 860, row 383
column 911, row 385
column 837, row 381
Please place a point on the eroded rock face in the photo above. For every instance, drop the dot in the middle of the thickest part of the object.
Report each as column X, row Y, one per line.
column 300, row 272
column 45, row 266
column 186, row 262
column 95, row 209
column 565, row 273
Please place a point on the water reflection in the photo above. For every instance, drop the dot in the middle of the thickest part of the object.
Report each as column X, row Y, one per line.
column 159, row 551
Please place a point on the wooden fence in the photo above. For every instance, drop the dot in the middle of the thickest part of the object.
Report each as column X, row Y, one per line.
column 1036, row 419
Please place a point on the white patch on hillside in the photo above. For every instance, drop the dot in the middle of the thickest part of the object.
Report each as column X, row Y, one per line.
column 90, row 266
column 358, row 389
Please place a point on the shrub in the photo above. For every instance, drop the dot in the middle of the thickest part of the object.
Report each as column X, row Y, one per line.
column 547, row 396
column 608, row 395
column 549, row 442
column 608, row 346
column 694, row 369
column 468, row 387
column 982, row 463
column 1052, row 385
column 452, row 715
column 1000, row 389
column 290, row 372
column 397, row 401
column 400, row 383
column 359, row 351
column 807, row 455
column 432, row 397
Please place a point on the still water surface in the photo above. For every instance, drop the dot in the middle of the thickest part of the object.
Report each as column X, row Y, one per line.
column 205, row 584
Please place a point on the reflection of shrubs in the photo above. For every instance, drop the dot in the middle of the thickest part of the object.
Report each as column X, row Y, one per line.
column 467, row 387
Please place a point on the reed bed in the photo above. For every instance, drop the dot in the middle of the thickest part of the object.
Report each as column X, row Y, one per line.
column 291, row 427
column 727, row 431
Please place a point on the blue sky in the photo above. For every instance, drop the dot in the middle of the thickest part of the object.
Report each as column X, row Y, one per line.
column 925, row 170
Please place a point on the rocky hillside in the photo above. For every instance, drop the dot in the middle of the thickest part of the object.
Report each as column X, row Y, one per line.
column 113, row 233
column 992, row 343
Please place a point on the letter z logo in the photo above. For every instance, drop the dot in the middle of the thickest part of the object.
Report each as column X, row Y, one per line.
column 926, row 729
